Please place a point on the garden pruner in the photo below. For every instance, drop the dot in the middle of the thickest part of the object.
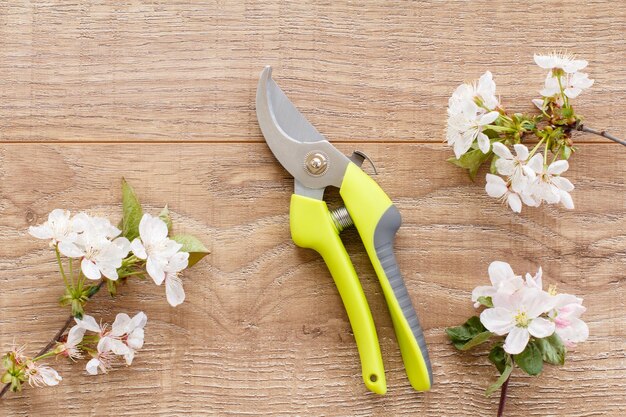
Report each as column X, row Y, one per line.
column 316, row 164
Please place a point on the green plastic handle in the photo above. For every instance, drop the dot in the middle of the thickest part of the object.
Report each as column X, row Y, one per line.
column 378, row 220
column 312, row 227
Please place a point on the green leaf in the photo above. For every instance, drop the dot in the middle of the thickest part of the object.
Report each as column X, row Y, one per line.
column 471, row 161
column 552, row 349
column 6, row 378
column 461, row 335
column 566, row 152
column 132, row 212
column 165, row 216
column 491, row 134
column 492, row 168
column 498, row 357
column 508, row 368
column 192, row 245
column 7, row 362
column 476, row 340
column 486, row 301
column 530, row 360
column 91, row 290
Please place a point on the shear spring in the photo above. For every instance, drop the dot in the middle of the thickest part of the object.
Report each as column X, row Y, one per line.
column 341, row 218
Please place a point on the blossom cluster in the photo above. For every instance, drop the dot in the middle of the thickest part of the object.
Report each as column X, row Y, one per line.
column 532, row 325
column 480, row 130
column 91, row 252
column 122, row 339
column 96, row 242
column 521, row 308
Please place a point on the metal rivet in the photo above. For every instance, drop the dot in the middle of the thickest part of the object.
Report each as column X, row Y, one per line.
column 316, row 163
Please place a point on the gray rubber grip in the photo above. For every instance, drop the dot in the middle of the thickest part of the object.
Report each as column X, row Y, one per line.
column 384, row 237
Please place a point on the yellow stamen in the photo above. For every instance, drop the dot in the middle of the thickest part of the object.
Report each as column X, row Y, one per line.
column 552, row 289
column 521, row 319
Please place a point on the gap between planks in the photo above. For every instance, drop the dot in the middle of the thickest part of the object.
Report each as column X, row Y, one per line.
column 227, row 142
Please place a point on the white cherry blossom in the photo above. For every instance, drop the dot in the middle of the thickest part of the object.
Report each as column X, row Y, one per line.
column 564, row 62
column 88, row 323
column 154, row 246
column 100, row 363
column 518, row 317
column 463, row 130
column 173, row 285
column 125, row 337
column 496, row 187
column 515, row 167
column 503, row 281
column 536, row 280
column 40, row 375
column 572, row 84
column 59, row 229
column 550, row 186
column 70, row 347
column 466, row 97
column 100, row 255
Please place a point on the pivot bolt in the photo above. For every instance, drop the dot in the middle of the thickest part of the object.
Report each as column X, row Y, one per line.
column 316, row 163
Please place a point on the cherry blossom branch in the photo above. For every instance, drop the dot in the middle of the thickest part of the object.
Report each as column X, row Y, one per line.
column 503, row 390
column 602, row 133
column 56, row 337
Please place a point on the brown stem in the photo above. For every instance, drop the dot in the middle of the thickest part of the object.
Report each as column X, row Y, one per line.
column 503, row 390
column 55, row 339
column 602, row 133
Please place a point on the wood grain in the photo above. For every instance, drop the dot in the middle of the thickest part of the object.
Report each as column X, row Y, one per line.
column 170, row 70
column 263, row 331
column 162, row 93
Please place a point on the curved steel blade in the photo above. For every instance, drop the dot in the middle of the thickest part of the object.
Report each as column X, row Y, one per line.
column 291, row 137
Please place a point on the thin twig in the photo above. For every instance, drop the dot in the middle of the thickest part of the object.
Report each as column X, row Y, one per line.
column 602, row 133
column 55, row 339
column 505, row 386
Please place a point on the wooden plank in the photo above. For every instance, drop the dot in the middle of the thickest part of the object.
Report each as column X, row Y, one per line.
column 263, row 331
column 169, row 70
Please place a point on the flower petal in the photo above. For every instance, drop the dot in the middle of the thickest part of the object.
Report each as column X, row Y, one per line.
column 155, row 270
column 500, row 272
column 497, row 320
column 536, row 163
column 487, row 119
column 514, row 202
column 495, row 187
column 88, row 323
column 521, row 151
column 128, row 357
column 70, row 249
column 138, row 249
column 576, row 332
column 92, row 366
column 558, row 167
column 544, row 61
column 516, row 341
column 108, row 270
column 483, row 291
column 174, row 290
column 566, row 200
column 541, row 327
column 502, row 151
column 90, row 269
column 483, row 142
column 563, row 183
column 75, row 335
column 120, row 325
column 536, row 301
column 41, row 232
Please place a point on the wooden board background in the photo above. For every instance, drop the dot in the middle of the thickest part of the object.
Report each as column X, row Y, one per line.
column 162, row 92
